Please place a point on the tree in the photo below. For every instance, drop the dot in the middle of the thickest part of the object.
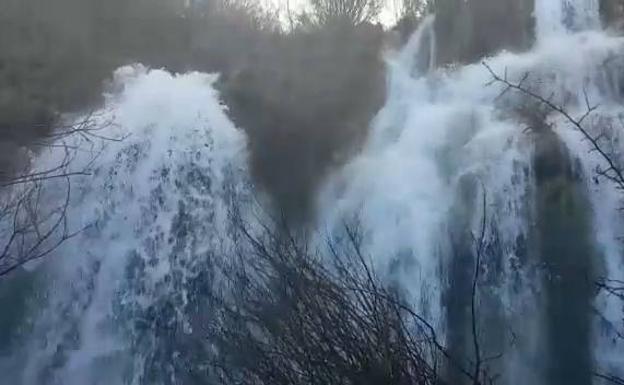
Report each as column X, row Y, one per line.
column 353, row 12
column 287, row 313
column 411, row 10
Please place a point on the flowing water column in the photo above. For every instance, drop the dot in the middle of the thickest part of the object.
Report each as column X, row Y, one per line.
column 563, row 220
column 417, row 192
column 394, row 187
column 127, row 297
column 603, row 86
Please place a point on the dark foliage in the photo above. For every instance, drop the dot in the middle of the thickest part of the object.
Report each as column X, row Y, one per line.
column 306, row 102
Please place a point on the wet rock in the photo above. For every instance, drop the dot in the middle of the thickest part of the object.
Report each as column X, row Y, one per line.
column 612, row 12
column 468, row 30
column 565, row 250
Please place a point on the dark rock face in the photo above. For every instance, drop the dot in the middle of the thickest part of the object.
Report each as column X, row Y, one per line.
column 457, row 298
column 612, row 12
column 469, row 30
column 569, row 261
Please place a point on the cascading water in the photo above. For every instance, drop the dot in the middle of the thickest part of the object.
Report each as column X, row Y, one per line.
column 445, row 141
column 155, row 211
column 447, row 155
column 563, row 16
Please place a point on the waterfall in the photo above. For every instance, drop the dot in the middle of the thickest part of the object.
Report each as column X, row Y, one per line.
column 450, row 156
column 445, row 140
column 154, row 212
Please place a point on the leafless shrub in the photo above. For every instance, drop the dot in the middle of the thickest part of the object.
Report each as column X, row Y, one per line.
column 288, row 313
column 31, row 225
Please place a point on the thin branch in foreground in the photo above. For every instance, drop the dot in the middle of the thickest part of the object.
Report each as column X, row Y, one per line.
column 480, row 242
column 613, row 172
column 289, row 315
column 609, row 378
column 33, row 222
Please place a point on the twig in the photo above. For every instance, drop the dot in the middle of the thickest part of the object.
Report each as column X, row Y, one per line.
column 612, row 172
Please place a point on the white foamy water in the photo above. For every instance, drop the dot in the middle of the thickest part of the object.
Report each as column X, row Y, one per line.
column 565, row 16
column 156, row 212
column 443, row 139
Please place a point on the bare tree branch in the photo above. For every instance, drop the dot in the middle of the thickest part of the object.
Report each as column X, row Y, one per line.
column 32, row 225
column 480, row 242
column 612, row 172
column 289, row 315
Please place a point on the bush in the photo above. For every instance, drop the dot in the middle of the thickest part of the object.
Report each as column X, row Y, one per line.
column 289, row 315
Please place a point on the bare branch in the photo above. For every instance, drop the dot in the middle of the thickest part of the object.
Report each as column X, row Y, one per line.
column 613, row 172
column 287, row 316
column 33, row 224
